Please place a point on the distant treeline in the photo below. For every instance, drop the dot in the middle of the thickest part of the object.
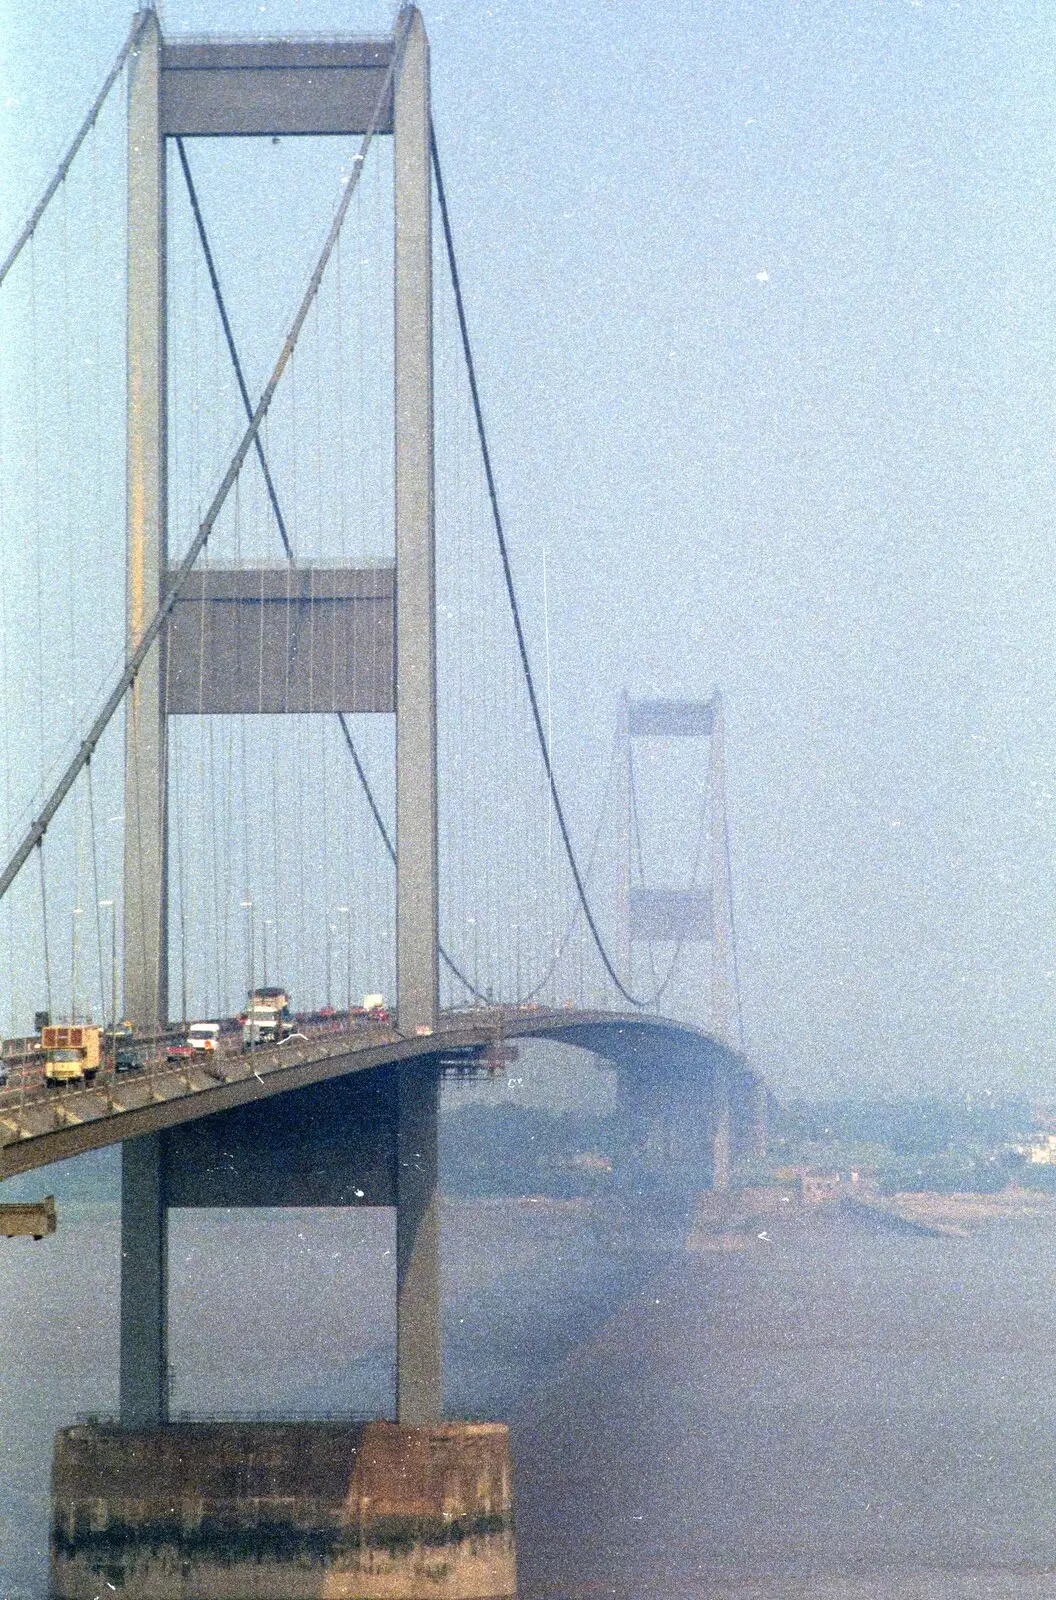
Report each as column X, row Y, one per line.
column 933, row 1142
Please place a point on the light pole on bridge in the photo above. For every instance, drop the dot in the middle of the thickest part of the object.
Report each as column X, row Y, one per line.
column 346, row 912
column 112, row 907
column 76, row 912
column 247, row 905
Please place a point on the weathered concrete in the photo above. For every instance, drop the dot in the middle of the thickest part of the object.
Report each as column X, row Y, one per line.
column 284, row 1511
column 757, row 1114
column 28, row 1219
column 720, row 1130
column 678, row 1102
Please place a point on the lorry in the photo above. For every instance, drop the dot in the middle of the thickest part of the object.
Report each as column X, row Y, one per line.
column 267, row 1018
column 71, row 1052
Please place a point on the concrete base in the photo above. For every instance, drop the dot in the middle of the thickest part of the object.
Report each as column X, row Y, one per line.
column 283, row 1511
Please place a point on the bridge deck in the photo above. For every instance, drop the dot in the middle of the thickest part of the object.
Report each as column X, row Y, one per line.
column 40, row 1124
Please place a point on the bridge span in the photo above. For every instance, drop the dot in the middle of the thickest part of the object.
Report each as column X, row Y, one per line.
column 39, row 1125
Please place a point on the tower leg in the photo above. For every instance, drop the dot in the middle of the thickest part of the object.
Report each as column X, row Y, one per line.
column 720, row 1128
column 146, row 956
column 144, row 1285
column 417, row 973
column 723, row 1007
column 418, row 1333
column 758, row 1131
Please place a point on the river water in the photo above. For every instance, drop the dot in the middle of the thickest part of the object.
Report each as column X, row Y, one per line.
column 835, row 1413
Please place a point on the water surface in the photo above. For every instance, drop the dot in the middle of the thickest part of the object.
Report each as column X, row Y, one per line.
column 834, row 1414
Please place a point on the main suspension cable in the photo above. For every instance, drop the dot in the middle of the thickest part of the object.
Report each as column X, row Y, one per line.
column 386, row 838
column 511, row 593
column 236, row 363
column 229, row 336
column 577, row 910
column 138, row 24
column 135, row 661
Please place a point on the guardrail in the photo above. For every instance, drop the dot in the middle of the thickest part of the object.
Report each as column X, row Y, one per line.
column 168, row 1069
column 158, row 1054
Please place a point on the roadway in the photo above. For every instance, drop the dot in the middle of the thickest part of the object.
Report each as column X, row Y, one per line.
column 42, row 1123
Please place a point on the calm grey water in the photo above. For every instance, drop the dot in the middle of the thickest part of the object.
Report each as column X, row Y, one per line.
column 834, row 1414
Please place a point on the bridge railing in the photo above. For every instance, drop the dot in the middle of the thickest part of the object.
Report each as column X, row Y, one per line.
column 168, row 1056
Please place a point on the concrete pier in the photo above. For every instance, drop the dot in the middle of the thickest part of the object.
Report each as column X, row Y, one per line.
column 144, row 1283
column 418, row 1322
column 283, row 1511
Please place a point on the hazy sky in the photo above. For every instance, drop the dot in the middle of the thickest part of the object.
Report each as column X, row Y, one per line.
column 763, row 307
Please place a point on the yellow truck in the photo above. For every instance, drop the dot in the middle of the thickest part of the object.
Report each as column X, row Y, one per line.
column 71, row 1052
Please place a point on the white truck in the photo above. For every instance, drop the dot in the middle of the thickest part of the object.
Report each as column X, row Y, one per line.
column 267, row 1018
column 203, row 1035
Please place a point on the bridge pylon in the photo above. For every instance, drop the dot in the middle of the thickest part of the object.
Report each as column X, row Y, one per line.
column 383, row 627
column 382, row 622
column 698, row 913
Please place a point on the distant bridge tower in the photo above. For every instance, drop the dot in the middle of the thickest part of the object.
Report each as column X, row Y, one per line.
column 698, row 912
column 385, row 630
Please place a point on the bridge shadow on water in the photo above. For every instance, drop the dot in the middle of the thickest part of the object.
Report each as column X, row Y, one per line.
column 834, row 1415
column 286, row 1313
column 526, row 1283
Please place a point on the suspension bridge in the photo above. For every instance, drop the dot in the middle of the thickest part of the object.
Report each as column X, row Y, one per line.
column 312, row 746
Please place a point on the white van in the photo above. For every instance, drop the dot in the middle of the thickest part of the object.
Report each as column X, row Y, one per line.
column 203, row 1035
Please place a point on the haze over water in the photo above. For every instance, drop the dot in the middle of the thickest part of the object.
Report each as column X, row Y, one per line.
column 835, row 1414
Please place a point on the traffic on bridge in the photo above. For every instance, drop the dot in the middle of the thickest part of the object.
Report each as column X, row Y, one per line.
column 126, row 1083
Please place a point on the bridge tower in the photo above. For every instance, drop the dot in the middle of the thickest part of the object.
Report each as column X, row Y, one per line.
column 231, row 88
column 696, row 914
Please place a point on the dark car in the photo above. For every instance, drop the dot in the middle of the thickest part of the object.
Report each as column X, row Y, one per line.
column 128, row 1059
